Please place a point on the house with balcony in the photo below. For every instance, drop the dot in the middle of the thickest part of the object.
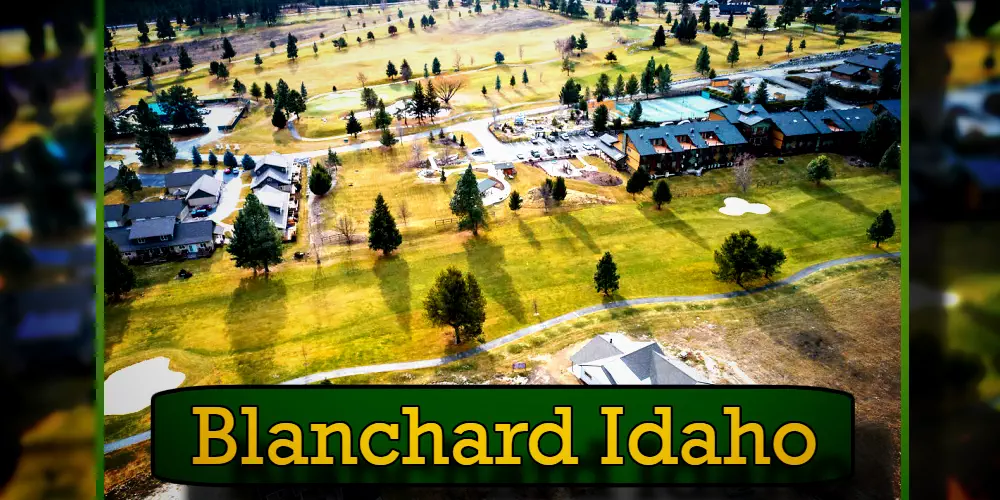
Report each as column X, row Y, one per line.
column 752, row 120
column 162, row 239
column 793, row 133
column 672, row 149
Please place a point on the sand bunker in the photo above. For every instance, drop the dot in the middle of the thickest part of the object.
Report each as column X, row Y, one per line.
column 131, row 389
column 739, row 206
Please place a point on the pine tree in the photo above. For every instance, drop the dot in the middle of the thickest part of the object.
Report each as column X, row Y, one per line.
column 458, row 302
column 436, row 66
column 467, row 204
column 606, row 278
column 302, row 90
column 121, row 79
column 637, row 182
column 212, row 159
column 128, row 182
column 760, row 96
column 559, row 189
column 195, row 156
column 524, row 77
column 119, row 278
column 291, row 47
column 882, row 228
column 760, row 51
column 278, row 118
column 734, row 54
column 659, row 38
column 256, row 243
column 600, row 118
column 788, row 48
column 739, row 94
column 514, row 203
column 155, row 147
column 229, row 159
column 704, row 62
column 257, row 60
column 184, row 61
column 268, row 91
column 891, row 158
column 816, row 95
column 247, row 163
column 227, row 50
column 635, row 113
column 383, row 236
column 661, row 193
column 320, row 180
column 387, row 139
column 255, row 91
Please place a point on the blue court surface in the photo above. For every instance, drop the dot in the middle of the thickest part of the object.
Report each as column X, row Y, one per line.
column 672, row 109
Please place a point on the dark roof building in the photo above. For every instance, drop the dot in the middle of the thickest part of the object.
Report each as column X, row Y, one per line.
column 675, row 148
column 793, row 124
column 891, row 107
column 154, row 209
column 857, row 119
column 747, row 114
column 161, row 239
column 114, row 215
column 826, row 121
column 110, row 176
column 735, row 7
column 184, row 180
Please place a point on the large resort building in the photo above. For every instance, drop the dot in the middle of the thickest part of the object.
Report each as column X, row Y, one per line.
column 672, row 149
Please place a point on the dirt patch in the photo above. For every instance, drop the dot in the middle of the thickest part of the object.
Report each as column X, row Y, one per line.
column 573, row 199
column 514, row 20
column 601, row 178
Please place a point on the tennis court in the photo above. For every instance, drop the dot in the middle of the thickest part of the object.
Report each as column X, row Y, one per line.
column 673, row 109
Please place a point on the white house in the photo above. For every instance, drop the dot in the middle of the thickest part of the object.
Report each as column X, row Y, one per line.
column 614, row 359
column 205, row 191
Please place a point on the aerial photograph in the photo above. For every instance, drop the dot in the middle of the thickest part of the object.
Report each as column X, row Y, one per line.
column 502, row 192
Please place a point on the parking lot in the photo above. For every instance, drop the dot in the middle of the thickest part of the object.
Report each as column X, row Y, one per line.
column 545, row 149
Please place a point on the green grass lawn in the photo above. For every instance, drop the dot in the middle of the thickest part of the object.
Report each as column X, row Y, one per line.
column 224, row 326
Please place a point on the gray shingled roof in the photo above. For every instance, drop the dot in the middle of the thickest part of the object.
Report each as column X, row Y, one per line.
column 792, row 123
column 153, row 209
column 206, row 185
column 857, row 119
column 750, row 114
column 873, row 61
column 725, row 131
column 184, row 234
column 110, row 175
column 596, row 349
column 848, row 69
column 270, row 173
column 185, row 179
column 819, row 118
column 152, row 228
column 115, row 212
column 485, row 184
column 893, row 107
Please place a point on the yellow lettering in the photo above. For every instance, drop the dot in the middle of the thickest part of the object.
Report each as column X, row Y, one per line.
column 205, row 435
column 323, row 432
column 509, row 432
column 564, row 430
column 252, row 458
column 663, row 430
column 707, row 444
column 294, row 444
column 611, row 414
column 479, row 444
column 779, row 443
column 391, row 430
column 416, row 430
column 736, row 432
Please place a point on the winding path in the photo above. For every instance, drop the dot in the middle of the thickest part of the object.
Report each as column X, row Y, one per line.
column 524, row 332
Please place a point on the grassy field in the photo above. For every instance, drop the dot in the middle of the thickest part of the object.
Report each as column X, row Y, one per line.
column 526, row 31
column 840, row 329
column 224, row 326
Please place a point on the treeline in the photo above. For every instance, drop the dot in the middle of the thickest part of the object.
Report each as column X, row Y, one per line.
column 209, row 11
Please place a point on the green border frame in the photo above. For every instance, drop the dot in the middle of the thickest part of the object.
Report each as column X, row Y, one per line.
column 904, row 298
column 99, row 246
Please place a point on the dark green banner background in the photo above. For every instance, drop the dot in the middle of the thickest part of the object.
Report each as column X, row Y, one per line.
column 830, row 414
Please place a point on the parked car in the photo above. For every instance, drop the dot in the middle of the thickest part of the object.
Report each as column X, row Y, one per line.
column 228, row 170
column 478, row 151
column 535, row 153
column 203, row 111
column 564, row 136
column 520, row 156
column 590, row 133
column 588, row 146
column 549, row 151
column 199, row 212
column 535, row 141
column 574, row 148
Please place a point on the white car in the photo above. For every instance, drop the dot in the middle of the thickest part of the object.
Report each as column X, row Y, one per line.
column 520, row 156
column 574, row 148
column 590, row 133
column 564, row 136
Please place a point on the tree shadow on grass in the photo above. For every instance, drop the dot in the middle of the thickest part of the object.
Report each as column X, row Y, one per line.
column 257, row 312
column 794, row 226
column 393, row 275
column 667, row 220
column 528, row 234
column 828, row 193
column 804, row 326
column 579, row 230
column 487, row 263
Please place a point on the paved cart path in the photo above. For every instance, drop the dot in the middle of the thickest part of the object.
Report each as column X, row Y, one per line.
column 524, row 332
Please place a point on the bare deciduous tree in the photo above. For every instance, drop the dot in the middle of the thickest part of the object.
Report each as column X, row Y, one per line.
column 346, row 228
column 458, row 61
column 743, row 170
column 520, row 52
column 565, row 47
column 446, row 87
column 362, row 79
column 416, row 153
column 404, row 211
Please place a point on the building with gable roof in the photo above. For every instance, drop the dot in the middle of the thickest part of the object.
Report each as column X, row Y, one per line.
column 672, row 149
column 614, row 359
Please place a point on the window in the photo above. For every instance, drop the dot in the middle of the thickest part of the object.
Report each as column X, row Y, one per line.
column 140, row 240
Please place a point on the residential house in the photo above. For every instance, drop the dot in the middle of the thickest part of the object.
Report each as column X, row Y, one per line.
column 891, row 107
column 792, row 133
column 110, row 178
column 752, row 120
column 871, row 66
column 281, row 207
column 734, row 7
column 175, row 209
column 676, row 148
column 178, row 184
column 711, row 3
column 204, row 192
column 857, row 119
column 276, row 171
column 487, row 186
column 161, row 239
column 607, row 151
column 845, row 7
column 507, row 169
column 114, row 215
column 850, row 73
column 614, row 359
column 878, row 22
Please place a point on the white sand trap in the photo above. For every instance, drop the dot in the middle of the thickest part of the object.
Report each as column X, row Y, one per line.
column 131, row 389
column 739, row 206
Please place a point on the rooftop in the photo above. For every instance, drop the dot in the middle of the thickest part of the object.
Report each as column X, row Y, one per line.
column 614, row 359
column 826, row 121
column 694, row 135
column 184, row 234
column 185, row 179
column 857, row 119
column 152, row 228
column 873, row 61
column 206, row 184
column 793, row 123
column 154, row 209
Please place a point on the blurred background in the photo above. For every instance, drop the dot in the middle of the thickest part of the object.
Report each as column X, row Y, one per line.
column 47, row 253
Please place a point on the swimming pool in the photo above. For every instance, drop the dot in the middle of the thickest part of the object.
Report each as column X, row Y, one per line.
column 672, row 109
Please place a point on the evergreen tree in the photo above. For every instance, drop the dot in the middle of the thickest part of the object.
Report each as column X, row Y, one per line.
column 212, row 159
column 390, row 70
column 404, row 71
column 155, row 147
column 664, row 78
column 121, row 79
column 760, row 51
column 353, row 125
column 816, row 95
column 619, row 90
column 602, row 90
column 802, row 44
column 255, row 91
column 268, row 91
column 184, row 61
column 195, row 156
column 524, row 77
column 320, row 180
column 229, row 159
column 661, row 193
column 257, row 60
column 513, row 81
column 387, row 139
column 632, row 86
column 738, row 260
column 436, row 66
column 147, row 70
column 637, row 182
column 247, row 163
column 758, row 20
column 467, row 204
column 227, row 50
column 889, row 82
column 635, row 113
column 302, row 90
column 606, row 278
column 559, row 189
column 497, row 84
column 119, row 278
column 819, row 170
column 704, row 62
column 291, row 47
column 891, row 159
column 383, row 236
column 600, row 118
column 760, row 96
column 582, row 43
column 659, row 38
column 739, row 94
column 514, row 202
column 381, row 119
column 128, row 182
column 278, row 118
column 880, row 134
column 256, row 243
column 705, row 16
column 788, row 48
column 458, row 302
column 882, row 228
column 734, row 55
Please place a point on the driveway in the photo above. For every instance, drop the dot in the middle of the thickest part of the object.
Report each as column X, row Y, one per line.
column 229, row 199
